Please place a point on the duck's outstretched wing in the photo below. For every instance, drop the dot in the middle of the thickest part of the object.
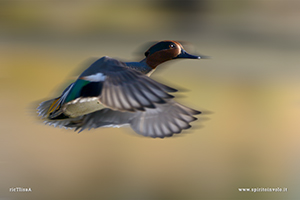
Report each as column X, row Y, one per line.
column 107, row 83
column 162, row 121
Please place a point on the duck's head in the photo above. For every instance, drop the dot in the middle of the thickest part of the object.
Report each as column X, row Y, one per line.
column 164, row 51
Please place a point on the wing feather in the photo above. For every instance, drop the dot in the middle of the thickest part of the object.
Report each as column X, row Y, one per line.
column 162, row 121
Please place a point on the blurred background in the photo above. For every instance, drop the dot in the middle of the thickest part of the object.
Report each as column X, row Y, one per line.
column 249, row 92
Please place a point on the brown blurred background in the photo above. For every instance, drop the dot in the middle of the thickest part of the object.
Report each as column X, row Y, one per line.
column 248, row 136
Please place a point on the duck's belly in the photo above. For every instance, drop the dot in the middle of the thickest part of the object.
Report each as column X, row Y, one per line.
column 82, row 106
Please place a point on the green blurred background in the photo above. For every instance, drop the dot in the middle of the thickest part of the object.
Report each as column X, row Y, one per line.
column 248, row 136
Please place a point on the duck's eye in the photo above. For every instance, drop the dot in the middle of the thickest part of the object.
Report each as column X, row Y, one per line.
column 172, row 46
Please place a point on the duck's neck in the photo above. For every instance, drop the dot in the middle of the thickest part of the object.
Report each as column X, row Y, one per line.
column 141, row 66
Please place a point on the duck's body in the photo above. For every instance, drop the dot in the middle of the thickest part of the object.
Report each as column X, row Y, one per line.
column 114, row 93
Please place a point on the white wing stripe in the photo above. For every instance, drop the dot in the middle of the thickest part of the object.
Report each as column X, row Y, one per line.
column 95, row 77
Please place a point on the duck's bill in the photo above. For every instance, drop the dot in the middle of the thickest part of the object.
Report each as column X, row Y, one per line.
column 185, row 54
